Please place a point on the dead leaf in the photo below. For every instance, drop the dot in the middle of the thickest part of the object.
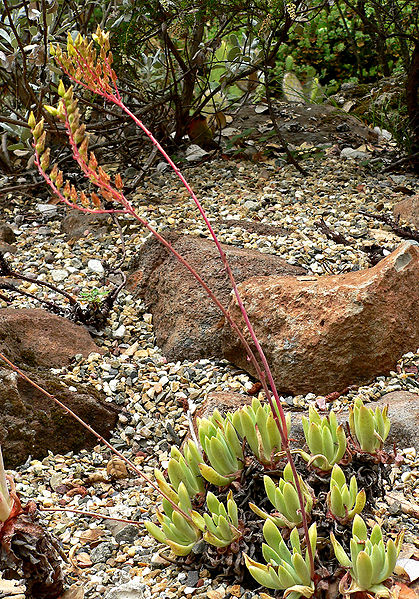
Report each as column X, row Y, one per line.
column 74, row 592
column 91, row 536
column 348, row 105
column 116, row 468
column 402, row 591
column 407, row 567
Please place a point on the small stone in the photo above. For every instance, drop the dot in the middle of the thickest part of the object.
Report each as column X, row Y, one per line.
column 119, row 332
column 101, row 553
column 96, row 266
column 127, row 534
column 59, row 274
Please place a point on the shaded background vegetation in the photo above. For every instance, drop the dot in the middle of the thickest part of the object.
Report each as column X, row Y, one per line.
column 178, row 59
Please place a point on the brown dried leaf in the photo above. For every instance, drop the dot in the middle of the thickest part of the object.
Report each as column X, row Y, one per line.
column 74, row 592
column 91, row 536
column 116, row 468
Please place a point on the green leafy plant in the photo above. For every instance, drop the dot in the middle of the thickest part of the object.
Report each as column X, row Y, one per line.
column 286, row 570
column 256, row 424
column 371, row 562
column 93, row 296
column 369, row 427
column 221, row 525
column 325, row 439
column 343, row 502
column 220, row 442
column 176, row 531
column 284, row 498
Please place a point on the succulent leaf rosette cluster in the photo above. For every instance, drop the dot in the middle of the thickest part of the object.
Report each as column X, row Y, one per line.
column 371, row 562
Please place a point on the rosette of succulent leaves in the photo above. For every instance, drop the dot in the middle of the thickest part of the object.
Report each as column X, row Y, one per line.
column 371, row 562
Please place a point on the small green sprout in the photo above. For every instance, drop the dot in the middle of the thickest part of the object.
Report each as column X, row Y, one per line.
column 371, row 562
column 344, row 503
column 325, row 438
column 220, row 526
column 284, row 498
column 256, row 424
column 370, row 428
column 93, row 296
column 284, row 570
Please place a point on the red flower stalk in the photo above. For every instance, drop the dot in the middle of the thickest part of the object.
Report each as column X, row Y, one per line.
column 93, row 71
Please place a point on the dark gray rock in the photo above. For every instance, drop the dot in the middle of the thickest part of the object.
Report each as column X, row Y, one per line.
column 31, row 424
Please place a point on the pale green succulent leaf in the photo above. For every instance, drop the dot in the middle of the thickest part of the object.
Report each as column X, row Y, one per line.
column 178, row 549
column 301, row 569
column 362, row 570
column 155, row 531
column 359, row 528
column 213, row 477
column 361, row 499
column 340, row 553
column 216, row 540
column 261, row 573
column 337, row 477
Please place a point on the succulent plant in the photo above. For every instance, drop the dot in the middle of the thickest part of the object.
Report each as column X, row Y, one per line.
column 6, row 502
column 179, row 533
column 286, row 570
column 186, row 470
column 325, row 439
column 220, row 443
column 370, row 428
column 256, row 424
column 220, row 526
column 344, row 502
column 284, row 498
column 371, row 562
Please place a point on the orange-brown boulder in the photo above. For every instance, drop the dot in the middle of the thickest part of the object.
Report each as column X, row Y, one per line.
column 38, row 338
column 408, row 210
column 187, row 324
column 322, row 334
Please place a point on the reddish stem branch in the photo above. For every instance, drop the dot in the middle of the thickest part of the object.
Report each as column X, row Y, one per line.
column 93, row 432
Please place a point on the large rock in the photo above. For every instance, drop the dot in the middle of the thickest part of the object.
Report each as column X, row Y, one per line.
column 186, row 322
column 408, row 210
column 32, row 424
column 323, row 334
column 38, row 338
column 78, row 224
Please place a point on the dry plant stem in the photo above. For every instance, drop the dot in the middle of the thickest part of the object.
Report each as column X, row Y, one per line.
column 93, row 432
column 104, row 89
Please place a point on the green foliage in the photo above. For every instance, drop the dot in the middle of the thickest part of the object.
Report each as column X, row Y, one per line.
column 327, row 44
column 371, row 562
column 343, row 502
column 285, row 569
column 368, row 427
column 256, row 424
column 220, row 526
column 325, row 439
column 284, row 498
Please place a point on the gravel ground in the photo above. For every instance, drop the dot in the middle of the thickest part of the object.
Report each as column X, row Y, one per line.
column 152, row 392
